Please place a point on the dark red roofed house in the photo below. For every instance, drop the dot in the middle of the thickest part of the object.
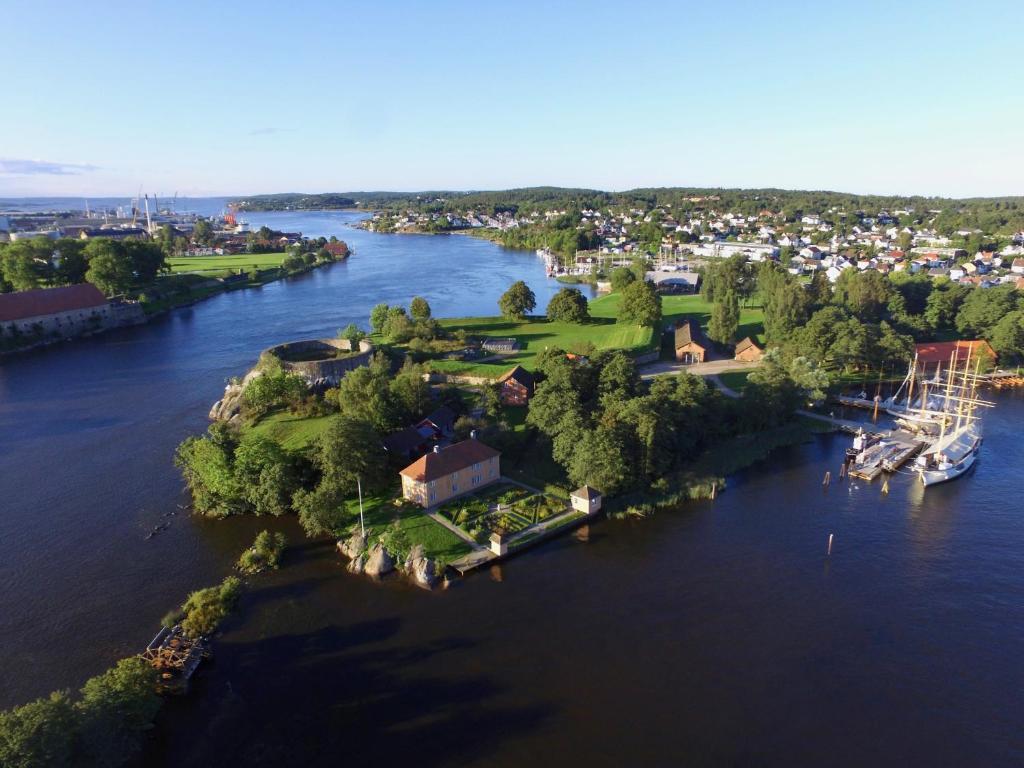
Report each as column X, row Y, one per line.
column 448, row 472
column 687, row 343
column 516, row 386
column 338, row 250
column 936, row 355
column 66, row 311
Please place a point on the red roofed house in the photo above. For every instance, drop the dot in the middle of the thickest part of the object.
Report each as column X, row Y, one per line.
column 936, row 355
column 747, row 351
column 449, row 472
column 516, row 386
column 338, row 250
column 66, row 311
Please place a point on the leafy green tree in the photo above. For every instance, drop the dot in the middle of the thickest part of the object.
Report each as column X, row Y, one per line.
column 518, row 301
column 40, row 733
column 72, row 263
column 350, row 448
column 1007, row 338
column 116, row 710
column 202, row 232
column 365, row 394
column 621, row 277
column 640, row 304
column 866, row 294
column 146, row 260
column 599, row 459
column 378, row 317
column 322, row 511
column 353, row 334
column 109, row 271
column 207, row 464
column 419, row 308
column 725, row 318
column 943, row 304
column 24, row 266
column 984, row 308
column 266, row 473
column 568, row 305
column 409, row 393
column 274, row 388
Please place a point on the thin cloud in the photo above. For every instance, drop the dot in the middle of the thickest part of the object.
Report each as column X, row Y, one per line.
column 267, row 131
column 13, row 167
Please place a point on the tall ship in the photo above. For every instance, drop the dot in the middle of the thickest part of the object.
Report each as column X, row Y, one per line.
column 959, row 441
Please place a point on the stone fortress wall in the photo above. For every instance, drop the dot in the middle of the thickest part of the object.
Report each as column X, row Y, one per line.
column 315, row 359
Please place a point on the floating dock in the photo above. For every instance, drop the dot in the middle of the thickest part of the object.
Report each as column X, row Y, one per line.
column 892, row 452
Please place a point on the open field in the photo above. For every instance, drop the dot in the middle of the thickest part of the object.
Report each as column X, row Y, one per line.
column 676, row 307
column 536, row 333
column 292, row 432
column 734, row 380
column 215, row 266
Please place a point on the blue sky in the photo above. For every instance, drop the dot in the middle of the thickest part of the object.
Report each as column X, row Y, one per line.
column 235, row 98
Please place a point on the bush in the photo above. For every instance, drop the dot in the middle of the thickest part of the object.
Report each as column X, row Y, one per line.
column 206, row 608
column 264, row 553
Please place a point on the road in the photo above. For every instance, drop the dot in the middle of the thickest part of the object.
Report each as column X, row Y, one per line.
column 710, row 368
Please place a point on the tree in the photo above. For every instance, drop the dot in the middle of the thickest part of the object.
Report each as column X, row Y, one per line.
column 364, row 394
column 419, row 308
column 23, row 264
column 266, row 474
column 621, row 277
column 206, row 463
column 71, row 262
column 146, row 260
column 109, row 271
column 725, row 318
column 409, row 393
column 202, row 232
column 353, row 334
column 116, row 710
column 984, row 308
column 40, row 733
column 517, row 302
column 568, row 305
column 378, row 317
column 640, row 304
column 1007, row 337
column 866, row 294
column 351, row 448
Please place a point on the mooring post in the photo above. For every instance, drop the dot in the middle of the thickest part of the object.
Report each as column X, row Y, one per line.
column 885, row 486
column 827, row 480
column 830, row 543
column 714, row 488
column 842, row 470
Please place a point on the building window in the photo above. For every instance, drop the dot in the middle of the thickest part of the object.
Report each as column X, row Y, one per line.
column 433, row 483
column 433, row 496
column 455, row 486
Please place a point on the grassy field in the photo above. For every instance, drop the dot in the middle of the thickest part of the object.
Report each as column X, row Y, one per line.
column 380, row 512
column 292, row 432
column 735, row 380
column 216, row 266
column 676, row 307
column 536, row 333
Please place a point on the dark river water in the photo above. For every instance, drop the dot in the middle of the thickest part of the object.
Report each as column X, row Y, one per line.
column 718, row 634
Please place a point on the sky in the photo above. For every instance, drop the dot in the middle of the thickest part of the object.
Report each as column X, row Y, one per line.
column 230, row 98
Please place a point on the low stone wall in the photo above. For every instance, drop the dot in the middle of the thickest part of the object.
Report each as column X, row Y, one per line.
column 438, row 377
column 320, row 373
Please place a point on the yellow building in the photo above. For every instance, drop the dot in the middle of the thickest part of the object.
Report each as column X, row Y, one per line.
column 449, row 472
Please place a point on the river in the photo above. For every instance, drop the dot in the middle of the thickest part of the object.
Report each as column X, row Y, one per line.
column 721, row 633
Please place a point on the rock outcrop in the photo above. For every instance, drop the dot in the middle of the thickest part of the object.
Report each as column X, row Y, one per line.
column 353, row 546
column 420, row 568
column 379, row 562
column 229, row 407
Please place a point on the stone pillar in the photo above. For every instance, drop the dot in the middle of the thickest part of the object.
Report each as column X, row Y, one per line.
column 498, row 544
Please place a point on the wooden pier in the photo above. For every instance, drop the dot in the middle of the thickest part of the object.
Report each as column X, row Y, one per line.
column 175, row 656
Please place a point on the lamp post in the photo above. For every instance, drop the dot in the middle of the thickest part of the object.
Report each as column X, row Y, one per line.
column 362, row 525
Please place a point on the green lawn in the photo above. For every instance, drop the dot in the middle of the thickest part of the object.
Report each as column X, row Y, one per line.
column 380, row 512
column 675, row 307
column 213, row 266
column 536, row 333
column 735, row 380
column 291, row 431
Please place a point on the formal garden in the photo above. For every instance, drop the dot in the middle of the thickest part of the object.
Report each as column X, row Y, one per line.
column 503, row 508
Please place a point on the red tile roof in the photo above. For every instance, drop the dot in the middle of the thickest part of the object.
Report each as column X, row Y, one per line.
column 49, row 301
column 941, row 351
column 449, row 460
